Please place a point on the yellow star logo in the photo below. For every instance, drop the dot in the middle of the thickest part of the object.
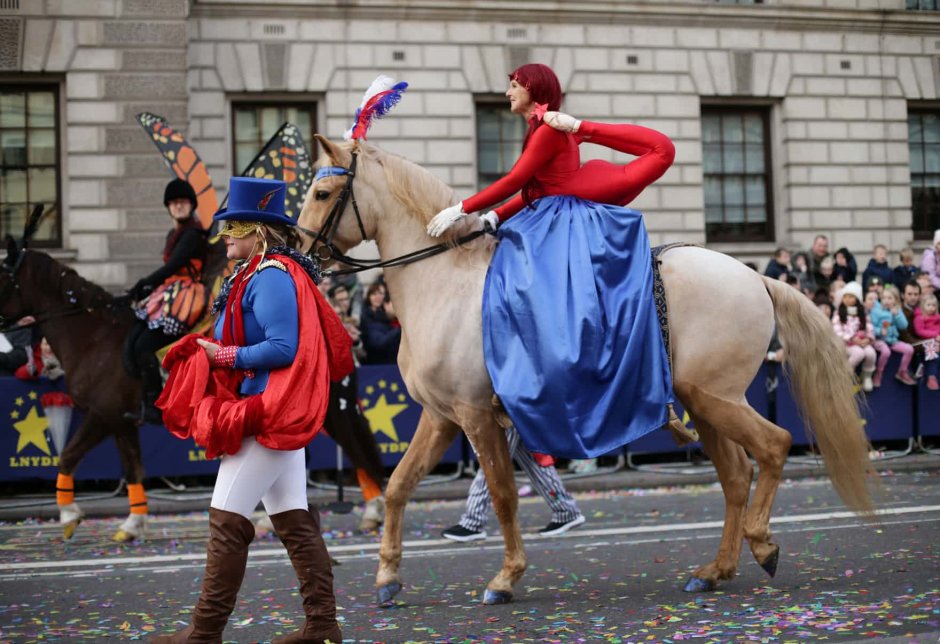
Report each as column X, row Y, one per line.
column 19, row 401
column 32, row 431
column 380, row 417
column 32, row 395
column 14, row 414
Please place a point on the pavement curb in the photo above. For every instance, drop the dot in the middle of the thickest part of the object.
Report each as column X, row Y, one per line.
column 165, row 501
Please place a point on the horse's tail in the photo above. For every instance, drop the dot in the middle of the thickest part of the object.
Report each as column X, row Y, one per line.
column 822, row 383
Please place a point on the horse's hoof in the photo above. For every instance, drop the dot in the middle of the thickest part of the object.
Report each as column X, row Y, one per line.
column 491, row 597
column 386, row 594
column 121, row 536
column 68, row 529
column 697, row 585
column 770, row 565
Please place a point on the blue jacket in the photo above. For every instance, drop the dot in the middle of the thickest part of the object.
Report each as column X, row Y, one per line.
column 904, row 274
column 886, row 324
column 269, row 312
column 882, row 271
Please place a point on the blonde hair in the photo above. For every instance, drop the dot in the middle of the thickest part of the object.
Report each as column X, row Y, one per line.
column 929, row 297
column 893, row 291
column 907, row 253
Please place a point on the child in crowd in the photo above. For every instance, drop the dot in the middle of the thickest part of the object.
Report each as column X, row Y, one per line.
column 875, row 285
column 779, row 266
column 851, row 324
column 923, row 279
column 799, row 268
column 906, row 270
column 881, row 348
column 878, row 267
column 845, row 267
column 824, row 303
column 927, row 326
column 826, row 267
column 888, row 320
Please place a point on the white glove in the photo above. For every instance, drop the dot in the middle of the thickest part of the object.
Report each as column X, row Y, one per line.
column 561, row 121
column 490, row 221
column 445, row 219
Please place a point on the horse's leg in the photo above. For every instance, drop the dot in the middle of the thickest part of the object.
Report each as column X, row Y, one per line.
column 431, row 439
column 493, row 454
column 127, row 438
column 766, row 442
column 735, row 473
column 88, row 435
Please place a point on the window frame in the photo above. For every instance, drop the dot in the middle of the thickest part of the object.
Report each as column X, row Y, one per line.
column 497, row 102
column 285, row 101
column 766, row 109
column 55, row 86
column 917, row 233
column 919, row 7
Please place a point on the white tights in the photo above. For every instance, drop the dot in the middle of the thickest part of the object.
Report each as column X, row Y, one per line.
column 275, row 477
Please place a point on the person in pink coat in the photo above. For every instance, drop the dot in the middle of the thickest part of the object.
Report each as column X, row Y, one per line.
column 927, row 326
column 930, row 262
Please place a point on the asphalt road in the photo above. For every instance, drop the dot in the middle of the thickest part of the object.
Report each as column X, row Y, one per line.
column 618, row 578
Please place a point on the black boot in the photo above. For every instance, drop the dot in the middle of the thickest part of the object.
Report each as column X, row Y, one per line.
column 152, row 385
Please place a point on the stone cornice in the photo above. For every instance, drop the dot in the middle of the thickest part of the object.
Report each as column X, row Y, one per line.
column 586, row 12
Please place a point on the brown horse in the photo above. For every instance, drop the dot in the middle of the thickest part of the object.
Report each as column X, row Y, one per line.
column 721, row 317
column 86, row 328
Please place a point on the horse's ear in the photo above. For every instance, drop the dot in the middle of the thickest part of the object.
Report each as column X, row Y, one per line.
column 12, row 251
column 335, row 152
column 32, row 223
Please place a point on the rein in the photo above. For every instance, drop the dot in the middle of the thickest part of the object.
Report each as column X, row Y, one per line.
column 327, row 250
column 11, row 271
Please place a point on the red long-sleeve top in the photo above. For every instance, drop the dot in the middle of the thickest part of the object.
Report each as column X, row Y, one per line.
column 552, row 158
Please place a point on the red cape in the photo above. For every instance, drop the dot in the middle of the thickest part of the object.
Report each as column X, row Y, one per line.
column 204, row 402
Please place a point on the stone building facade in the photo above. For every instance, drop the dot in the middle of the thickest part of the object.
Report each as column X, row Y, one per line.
column 836, row 82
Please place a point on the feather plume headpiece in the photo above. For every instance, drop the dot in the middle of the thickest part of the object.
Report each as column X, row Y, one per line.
column 383, row 94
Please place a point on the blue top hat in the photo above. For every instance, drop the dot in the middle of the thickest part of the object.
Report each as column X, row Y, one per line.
column 260, row 200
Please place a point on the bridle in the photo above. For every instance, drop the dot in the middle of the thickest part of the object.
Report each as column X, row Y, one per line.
column 14, row 287
column 324, row 249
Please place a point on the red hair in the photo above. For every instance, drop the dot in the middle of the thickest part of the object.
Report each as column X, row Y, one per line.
column 543, row 87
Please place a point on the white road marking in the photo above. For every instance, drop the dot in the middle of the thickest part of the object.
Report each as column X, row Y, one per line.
column 423, row 544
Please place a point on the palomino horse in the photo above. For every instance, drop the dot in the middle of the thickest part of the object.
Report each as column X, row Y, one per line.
column 86, row 329
column 721, row 317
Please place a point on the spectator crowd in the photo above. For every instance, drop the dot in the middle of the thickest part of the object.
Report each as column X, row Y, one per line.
column 884, row 309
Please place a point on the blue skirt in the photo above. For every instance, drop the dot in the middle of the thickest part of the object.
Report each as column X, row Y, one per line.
column 570, row 333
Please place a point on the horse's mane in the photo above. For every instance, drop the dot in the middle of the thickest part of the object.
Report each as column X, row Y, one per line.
column 75, row 290
column 421, row 193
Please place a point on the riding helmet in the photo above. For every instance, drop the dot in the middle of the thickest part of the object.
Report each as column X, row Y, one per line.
column 179, row 189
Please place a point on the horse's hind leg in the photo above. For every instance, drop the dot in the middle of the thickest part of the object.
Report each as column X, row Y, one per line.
column 88, row 435
column 767, row 443
column 431, row 439
column 735, row 473
column 128, row 445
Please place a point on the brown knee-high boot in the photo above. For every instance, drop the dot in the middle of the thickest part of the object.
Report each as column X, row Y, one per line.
column 230, row 535
column 299, row 531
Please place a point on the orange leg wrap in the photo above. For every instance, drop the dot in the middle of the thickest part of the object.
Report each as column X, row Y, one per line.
column 137, row 498
column 370, row 489
column 64, row 489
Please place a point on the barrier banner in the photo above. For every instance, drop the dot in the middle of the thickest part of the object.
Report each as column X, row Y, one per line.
column 928, row 410
column 392, row 414
column 661, row 441
column 887, row 411
column 29, row 446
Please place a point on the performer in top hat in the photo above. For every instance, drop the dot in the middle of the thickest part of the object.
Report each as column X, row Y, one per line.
column 278, row 344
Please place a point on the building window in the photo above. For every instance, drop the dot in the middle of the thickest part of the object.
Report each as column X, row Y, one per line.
column 29, row 160
column 499, row 141
column 737, row 175
column 923, row 5
column 923, row 129
column 254, row 123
